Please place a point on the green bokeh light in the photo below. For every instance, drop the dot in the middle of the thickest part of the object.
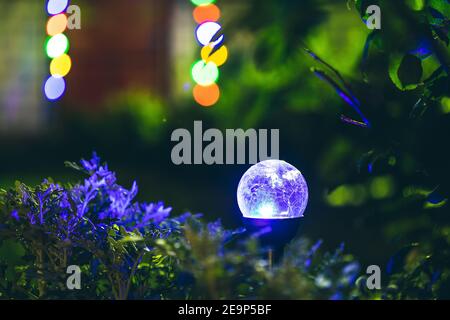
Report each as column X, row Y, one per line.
column 445, row 104
column 205, row 74
column 347, row 195
column 416, row 5
column 57, row 46
column 382, row 187
column 202, row 2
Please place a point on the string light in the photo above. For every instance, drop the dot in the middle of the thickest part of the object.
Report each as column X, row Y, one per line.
column 219, row 57
column 209, row 12
column 56, row 47
column 205, row 74
column 213, row 54
column 60, row 67
column 202, row 2
column 207, row 96
column 56, row 24
column 54, row 88
column 57, row 6
column 207, row 31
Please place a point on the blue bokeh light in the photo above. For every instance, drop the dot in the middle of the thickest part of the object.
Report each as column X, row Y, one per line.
column 208, row 34
column 57, row 6
column 54, row 88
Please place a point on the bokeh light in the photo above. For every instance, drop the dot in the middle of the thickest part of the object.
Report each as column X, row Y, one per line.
column 60, row 67
column 57, row 45
column 54, row 88
column 445, row 104
column 214, row 54
column 207, row 96
column 57, row 6
column 347, row 195
column 56, row 48
column 382, row 187
column 272, row 189
column 219, row 57
column 202, row 2
column 207, row 31
column 56, row 24
column 205, row 74
column 206, row 13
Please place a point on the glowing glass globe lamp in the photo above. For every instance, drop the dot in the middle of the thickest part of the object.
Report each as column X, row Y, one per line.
column 272, row 189
column 273, row 194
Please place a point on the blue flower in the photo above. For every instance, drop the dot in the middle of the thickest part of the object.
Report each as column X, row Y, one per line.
column 15, row 215
column 91, row 165
column 312, row 252
column 90, row 208
column 350, row 272
column 216, row 229
column 337, row 296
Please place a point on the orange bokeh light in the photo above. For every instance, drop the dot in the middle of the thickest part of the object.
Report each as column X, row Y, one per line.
column 206, row 13
column 206, row 96
column 56, row 24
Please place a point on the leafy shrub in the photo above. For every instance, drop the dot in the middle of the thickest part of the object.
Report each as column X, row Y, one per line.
column 128, row 249
column 132, row 250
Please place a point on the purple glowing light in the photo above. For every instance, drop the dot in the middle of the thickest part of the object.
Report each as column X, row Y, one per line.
column 54, row 88
column 57, row 6
column 272, row 189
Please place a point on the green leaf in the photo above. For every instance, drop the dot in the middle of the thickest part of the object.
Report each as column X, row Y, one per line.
column 74, row 165
column 131, row 238
column 406, row 71
column 410, row 70
column 11, row 252
column 442, row 7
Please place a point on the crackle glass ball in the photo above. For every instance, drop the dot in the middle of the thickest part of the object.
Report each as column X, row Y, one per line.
column 272, row 189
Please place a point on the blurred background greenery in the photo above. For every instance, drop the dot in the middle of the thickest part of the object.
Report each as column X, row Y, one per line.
column 375, row 189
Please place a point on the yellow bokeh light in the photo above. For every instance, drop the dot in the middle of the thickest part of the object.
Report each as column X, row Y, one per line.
column 60, row 67
column 219, row 57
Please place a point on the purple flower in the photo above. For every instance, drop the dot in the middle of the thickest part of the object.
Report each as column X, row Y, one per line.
column 91, row 165
column 120, row 201
column 312, row 252
column 350, row 272
column 31, row 218
column 91, row 207
column 140, row 216
column 337, row 296
column 216, row 229
column 15, row 215
column 155, row 212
